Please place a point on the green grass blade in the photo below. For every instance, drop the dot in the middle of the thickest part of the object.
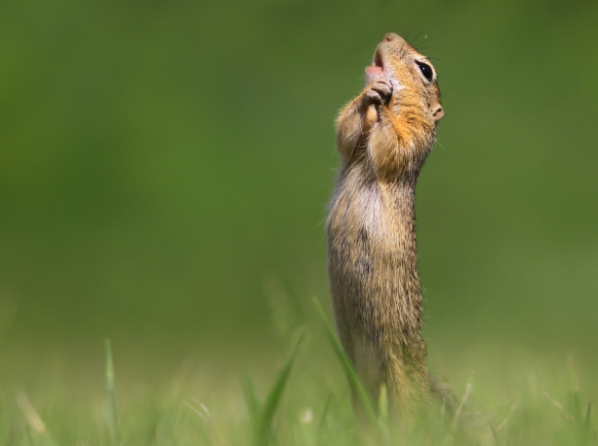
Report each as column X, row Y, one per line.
column 35, row 427
column 253, row 406
column 352, row 377
column 459, row 411
column 112, row 423
column 383, row 412
column 383, row 405
column 264, row 427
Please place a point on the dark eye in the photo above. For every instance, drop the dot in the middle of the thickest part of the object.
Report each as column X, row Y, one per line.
column 426, row 70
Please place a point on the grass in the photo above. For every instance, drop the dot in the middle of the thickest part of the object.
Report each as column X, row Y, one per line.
column 305, row 400
column 111, row 418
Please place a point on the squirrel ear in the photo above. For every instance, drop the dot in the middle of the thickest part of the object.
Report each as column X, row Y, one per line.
column 438, row 114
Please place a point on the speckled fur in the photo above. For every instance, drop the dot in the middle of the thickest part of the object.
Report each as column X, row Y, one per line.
column 384, row 136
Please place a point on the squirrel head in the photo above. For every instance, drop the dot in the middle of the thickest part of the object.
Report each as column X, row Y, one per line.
column 411, row 74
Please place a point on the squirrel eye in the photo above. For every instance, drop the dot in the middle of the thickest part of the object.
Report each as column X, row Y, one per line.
column 426, row 70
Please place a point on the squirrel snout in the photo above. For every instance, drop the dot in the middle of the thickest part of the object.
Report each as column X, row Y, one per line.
column 390, row 37
column 439, row 113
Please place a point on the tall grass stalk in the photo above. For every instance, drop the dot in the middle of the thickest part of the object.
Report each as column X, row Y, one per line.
column 35, row 424
column 111, row 409
column 263, row 422
column 347, row 367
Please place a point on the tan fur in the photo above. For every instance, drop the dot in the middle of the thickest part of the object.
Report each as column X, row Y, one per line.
column 384, row 136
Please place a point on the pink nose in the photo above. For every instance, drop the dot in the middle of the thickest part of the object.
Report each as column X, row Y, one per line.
column 390, row 37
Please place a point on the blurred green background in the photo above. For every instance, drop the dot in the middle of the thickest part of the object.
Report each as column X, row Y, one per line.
column 165, row 169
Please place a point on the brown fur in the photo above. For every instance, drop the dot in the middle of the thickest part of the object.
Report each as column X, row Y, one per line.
column 384, row 136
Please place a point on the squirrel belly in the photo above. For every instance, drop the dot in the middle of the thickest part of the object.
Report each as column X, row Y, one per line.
column 375, row 288
column 384, row 136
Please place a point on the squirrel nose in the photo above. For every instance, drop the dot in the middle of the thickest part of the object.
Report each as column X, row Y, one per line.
column 390, row 37
column 439, row 113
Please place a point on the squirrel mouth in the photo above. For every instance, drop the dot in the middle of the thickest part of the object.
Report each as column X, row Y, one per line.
column 378, row 60
column 376, row 69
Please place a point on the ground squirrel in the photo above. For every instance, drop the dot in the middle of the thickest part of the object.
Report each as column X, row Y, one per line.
column 383, row 136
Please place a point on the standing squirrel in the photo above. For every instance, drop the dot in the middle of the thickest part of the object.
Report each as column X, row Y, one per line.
column 384, row 136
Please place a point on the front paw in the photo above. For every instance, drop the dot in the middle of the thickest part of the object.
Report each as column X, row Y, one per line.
column 378, row 92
